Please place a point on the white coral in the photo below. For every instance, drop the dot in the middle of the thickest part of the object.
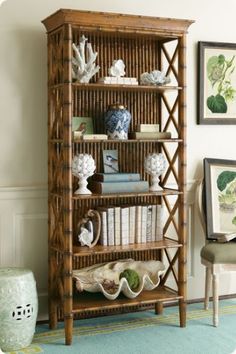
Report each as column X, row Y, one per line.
column 82, row 71
column 155, row 77
column 117, row 69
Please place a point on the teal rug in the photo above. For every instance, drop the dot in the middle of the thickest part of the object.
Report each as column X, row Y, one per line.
column 145, row 332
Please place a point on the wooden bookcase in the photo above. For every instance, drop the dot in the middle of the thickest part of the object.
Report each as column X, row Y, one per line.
column 145, row 44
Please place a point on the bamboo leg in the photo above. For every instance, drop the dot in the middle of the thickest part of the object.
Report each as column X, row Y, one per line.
column 159, row 308
column 182, row 313
column 52, row 315
column 68, row 330
column 215, row 286
column 207, row 287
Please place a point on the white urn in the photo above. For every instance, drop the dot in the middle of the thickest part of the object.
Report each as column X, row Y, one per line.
column 83, row 166
column 155, row 165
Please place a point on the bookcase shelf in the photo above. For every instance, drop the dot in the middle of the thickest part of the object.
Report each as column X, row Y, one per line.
column 118, row 142
column 97, row 302
column 99, row 86
column 131, row 195
column 98, row 249
column 144, row 44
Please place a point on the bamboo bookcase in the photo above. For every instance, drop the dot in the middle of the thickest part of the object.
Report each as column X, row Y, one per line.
column 145, row 44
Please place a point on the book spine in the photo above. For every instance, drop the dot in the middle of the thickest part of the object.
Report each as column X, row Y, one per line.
column 117, row 225
column 149, row 224
column 124, row 226
column 159, row 222
column 132, row 224
column 103, row 234
column 154, row 211
column 110, row 227
column 119, row 187
column 144, row 224
column 116, row 177
column 138, row 223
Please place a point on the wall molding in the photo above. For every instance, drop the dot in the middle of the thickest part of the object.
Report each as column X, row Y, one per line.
column 23, row 192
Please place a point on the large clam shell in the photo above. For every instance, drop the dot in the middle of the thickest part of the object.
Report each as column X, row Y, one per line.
column 91, row 278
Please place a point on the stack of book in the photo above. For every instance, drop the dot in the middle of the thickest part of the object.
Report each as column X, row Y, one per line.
column 149, row 131
column 78, row 135
column 118, row 80
column 117, row 183
column 124, row 225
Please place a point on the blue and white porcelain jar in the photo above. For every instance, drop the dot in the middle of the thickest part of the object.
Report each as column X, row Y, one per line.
column 117, row 121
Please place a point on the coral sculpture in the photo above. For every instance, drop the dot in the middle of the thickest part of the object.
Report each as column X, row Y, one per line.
column 117, row 69
column 82, row 71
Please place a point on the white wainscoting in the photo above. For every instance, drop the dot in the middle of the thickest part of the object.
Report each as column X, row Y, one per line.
column 23, row 240
column 23, row 234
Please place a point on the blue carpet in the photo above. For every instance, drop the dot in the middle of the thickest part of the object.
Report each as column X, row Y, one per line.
column 145, row 332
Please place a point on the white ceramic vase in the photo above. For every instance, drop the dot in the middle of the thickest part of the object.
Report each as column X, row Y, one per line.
column 83, row 166
column 155, row 165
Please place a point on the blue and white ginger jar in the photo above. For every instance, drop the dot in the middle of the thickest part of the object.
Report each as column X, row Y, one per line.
column 117, row 121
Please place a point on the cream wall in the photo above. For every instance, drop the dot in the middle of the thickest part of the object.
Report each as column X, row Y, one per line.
column 23, row 108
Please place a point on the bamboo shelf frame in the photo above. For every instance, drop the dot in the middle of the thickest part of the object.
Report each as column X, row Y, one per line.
column 88, row 303
column 145, row 44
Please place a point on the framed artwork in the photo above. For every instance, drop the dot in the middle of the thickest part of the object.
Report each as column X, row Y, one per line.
column 82, row 124
column 220, row 197
column 216, row 83
column 110, row 161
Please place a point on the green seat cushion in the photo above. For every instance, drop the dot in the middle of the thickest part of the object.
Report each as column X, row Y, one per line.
column 219, row 252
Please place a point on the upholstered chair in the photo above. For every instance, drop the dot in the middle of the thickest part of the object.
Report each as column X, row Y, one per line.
column 218, row 258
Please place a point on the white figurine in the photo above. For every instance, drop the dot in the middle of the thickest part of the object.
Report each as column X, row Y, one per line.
column 83, row 166
column 155, row 165
column 82, row 71
column 86, row 234
column 117, row 69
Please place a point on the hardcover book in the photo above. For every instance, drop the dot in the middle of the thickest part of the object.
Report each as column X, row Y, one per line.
column 138, row 223
column 159, row 222
column 117, row 226
column 150, row 135
column 103, row 235
column 154, row 210
column 149, row 223
column 94, row 137
column 145, row 128
column 110, row 224
column 144, row 224
column 116, row 177
column 132, row 224
column 119, row 187
column 124, row 225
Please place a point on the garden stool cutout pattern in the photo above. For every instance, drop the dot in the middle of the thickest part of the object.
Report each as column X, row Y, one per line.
column 18, row 308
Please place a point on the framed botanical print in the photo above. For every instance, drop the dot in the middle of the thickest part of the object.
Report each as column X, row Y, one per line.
column 216, row 83
column 220, row 197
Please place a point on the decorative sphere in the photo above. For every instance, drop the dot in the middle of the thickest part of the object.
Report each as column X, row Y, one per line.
column 83, row 165
column 132, row 278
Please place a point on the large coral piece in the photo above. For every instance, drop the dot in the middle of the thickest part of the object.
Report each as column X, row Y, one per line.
column 82, row 71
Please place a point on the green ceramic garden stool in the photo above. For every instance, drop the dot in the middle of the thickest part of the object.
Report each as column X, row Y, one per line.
column 18, row 308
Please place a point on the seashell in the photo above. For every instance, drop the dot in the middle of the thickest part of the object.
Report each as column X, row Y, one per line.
column 155, row 77
column 92, row 278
